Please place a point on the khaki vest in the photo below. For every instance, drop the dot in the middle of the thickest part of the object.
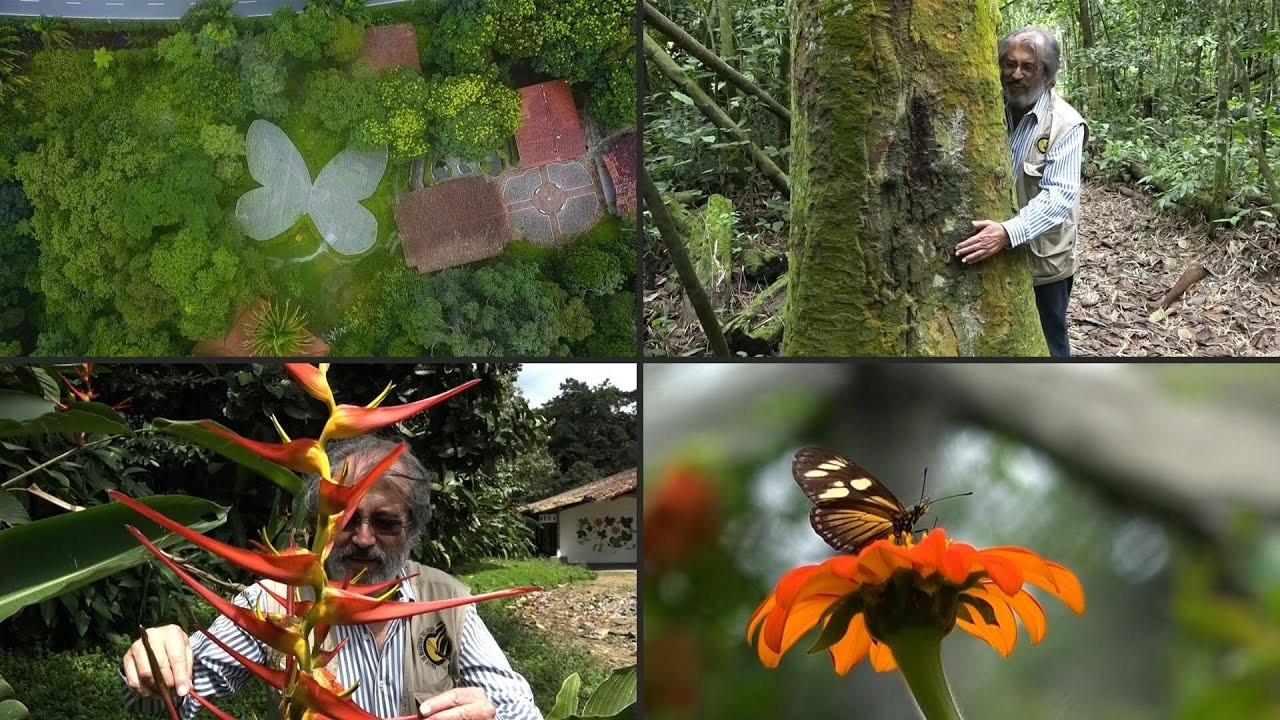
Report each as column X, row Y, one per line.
column 1053, row 254
column 431, row 648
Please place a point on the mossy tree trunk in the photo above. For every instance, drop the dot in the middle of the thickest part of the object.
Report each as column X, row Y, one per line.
column 898, row 142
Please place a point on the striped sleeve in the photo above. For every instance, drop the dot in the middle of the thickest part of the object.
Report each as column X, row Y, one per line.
column 1059, row 190
column 482, row 664
column 215, row 672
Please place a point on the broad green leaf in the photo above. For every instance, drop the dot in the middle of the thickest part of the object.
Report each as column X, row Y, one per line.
column 11, row 511
column 23, row 414
column 682, row 97
column 47, row 558
column 190, row 430
column 567, row 699
column 614, row 695
column 10, row 708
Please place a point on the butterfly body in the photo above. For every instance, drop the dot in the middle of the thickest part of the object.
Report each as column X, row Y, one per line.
column 851, row 508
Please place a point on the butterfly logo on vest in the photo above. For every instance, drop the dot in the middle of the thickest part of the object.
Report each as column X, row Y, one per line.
column 287, row 193
column 1043, row 144
column 436, row 646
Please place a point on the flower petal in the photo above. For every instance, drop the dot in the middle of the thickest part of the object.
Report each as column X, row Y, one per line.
column 1003, row 572
column 301, row 455
column 928, row 554
column 342, row 607
column 282, row 639
column 877, row 563
column 343, row 500
column 851, row 648
column 1048, row 576
column 957, row 563
column 320, row 700
column 274, row 678
column 790, row 624
column 300, row 568
column 1001, row 634
column 882, row 657
column 313, row 379
column 349, row 420
column 1031, row 614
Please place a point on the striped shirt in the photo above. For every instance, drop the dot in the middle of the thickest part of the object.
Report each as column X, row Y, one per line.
column 481, row 664
column 1060, row 185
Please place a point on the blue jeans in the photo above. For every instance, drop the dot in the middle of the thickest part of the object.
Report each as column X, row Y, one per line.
column 1051, row 301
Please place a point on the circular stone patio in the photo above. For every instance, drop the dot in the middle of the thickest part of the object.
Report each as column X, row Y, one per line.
column 552, row 203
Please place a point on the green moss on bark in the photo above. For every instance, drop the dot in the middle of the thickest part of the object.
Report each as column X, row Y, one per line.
column 898, row 143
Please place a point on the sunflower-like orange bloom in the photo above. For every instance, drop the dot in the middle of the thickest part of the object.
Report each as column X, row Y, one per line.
column 862, row 600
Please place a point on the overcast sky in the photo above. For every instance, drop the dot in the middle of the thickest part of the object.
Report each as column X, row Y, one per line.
column 541, row 381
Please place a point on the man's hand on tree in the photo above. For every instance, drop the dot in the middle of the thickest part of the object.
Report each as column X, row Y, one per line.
column 990, row 239
column 461, row 703
column 173, row 655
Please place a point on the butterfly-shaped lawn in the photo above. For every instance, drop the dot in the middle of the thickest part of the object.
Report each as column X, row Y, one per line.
column 287, row 192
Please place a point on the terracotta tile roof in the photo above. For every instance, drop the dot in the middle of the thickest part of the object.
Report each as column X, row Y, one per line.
column 550, row 130
column 606, row 488
column 620, row 161
column 453, row 223
column 236, row 343
column 388, row 46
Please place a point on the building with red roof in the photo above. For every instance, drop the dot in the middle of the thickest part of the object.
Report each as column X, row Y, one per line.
column 452, row 223
column 550, row 130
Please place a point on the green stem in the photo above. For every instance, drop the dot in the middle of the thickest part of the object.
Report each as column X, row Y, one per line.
column 918, row 651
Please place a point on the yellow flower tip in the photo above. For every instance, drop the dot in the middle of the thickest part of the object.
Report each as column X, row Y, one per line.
column 860, row 601
column 283, row 435
column 381, row 396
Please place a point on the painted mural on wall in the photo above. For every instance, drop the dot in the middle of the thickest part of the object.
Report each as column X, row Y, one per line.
column 607, row 532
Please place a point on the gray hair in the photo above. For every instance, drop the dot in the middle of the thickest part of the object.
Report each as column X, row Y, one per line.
column 1042, row 45
column 416, row 488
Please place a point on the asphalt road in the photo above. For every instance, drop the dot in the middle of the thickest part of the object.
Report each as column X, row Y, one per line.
column 140, row 9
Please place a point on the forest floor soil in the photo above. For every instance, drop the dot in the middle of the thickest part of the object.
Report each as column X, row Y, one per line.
column 599, row 615
column 1130, row 255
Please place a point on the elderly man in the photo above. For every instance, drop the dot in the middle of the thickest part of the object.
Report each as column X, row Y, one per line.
column 1046, row 137
column 443, row 665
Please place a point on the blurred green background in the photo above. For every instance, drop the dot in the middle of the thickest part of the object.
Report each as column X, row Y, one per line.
column 1158, row 485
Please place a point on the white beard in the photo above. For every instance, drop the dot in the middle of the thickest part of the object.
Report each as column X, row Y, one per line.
column 1022, row 100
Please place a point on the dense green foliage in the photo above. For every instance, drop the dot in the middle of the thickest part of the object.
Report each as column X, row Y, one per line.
column 592, row 435
column 117, row 190
column 1149, row 77
column 468, row 445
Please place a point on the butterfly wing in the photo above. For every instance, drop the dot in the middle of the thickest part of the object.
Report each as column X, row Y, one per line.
column 850, row 506
column 351, row 176
column 265, row 212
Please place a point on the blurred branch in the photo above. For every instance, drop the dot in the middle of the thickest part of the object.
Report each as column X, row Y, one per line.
column 1196, row 459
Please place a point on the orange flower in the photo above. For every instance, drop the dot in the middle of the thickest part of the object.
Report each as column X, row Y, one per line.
column 349, row 420
column 314, row 379
column 862, row 600
column 682, row 516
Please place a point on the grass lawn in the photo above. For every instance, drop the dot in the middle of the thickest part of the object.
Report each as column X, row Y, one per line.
column 85, row 685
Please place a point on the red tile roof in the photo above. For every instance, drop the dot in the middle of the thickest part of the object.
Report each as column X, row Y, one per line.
column 606, row 488
column 550, row 130
column 454, row 223
column 388, row 46
column 236, row 343
column 620, row 161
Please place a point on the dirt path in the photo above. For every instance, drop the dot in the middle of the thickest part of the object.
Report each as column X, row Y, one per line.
column 599, row 615
column 1130, row 255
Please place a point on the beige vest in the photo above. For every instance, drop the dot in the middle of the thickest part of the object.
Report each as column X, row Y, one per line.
column 431, row 648
column 1053, row 254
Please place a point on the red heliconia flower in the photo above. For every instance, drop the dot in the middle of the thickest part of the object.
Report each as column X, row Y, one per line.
column 291, row 568
column 349, row 420
column 213, row 710
column 343, row 607
column 286, row 640
column 302, row 455
column 339, row 499
column 313, row 379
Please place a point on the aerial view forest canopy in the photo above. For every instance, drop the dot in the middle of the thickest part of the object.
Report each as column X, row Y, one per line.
column 1178, row 250
column 222, row 184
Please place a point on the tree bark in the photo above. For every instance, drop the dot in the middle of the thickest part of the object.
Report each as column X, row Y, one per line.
column 1259, row 147
column 1090, row 68
column 898, row 142
column 1224, row 68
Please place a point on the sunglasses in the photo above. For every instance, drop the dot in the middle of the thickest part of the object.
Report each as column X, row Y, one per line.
column 380, row 524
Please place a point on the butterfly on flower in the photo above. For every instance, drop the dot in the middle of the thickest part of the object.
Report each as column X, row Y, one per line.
column 851, row 508
column 287, row 193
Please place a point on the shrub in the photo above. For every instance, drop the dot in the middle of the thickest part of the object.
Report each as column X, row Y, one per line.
column 471, row 115
column 585, row 270
column 278, row 330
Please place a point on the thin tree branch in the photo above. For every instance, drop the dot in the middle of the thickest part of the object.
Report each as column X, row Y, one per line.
column 684, row 267
column 715, row 114
column 14, row 480
column 689, row 44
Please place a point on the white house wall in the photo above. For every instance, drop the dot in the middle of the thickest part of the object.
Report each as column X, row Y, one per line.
column 590, row 519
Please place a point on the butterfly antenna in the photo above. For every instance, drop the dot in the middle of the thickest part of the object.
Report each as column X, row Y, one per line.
column 923, row 483
column 948, row 497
